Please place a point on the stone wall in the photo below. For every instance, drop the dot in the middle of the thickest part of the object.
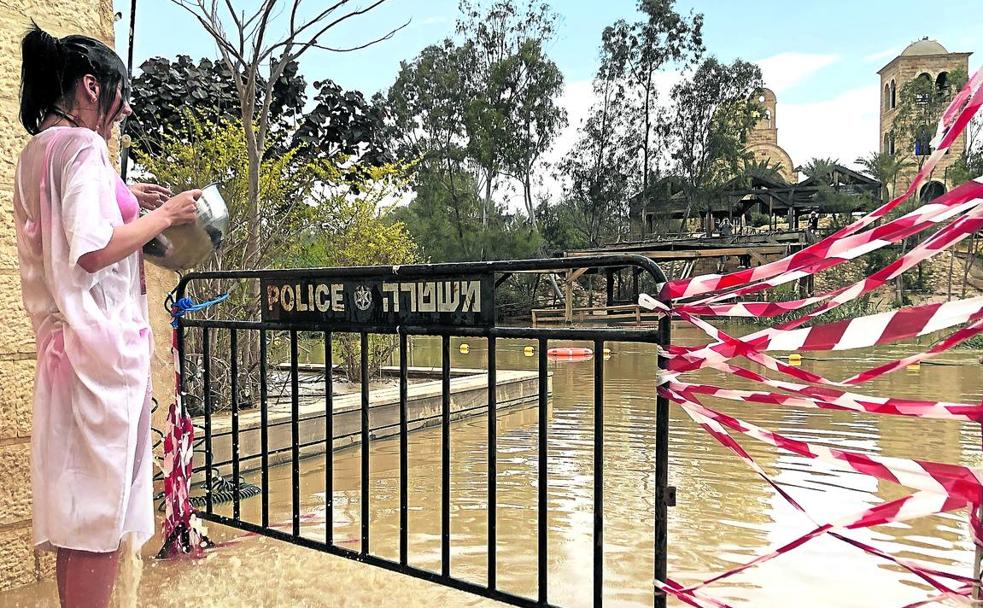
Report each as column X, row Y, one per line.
column 19, row 565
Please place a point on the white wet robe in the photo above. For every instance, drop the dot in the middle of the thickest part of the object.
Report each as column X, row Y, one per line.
column 91, row 461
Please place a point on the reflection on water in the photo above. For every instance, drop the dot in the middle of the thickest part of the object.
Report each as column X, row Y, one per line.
column 726, row 515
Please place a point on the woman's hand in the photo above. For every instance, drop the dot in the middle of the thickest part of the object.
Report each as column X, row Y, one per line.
column 181, row 209
column 128, row 238
column 151, row 196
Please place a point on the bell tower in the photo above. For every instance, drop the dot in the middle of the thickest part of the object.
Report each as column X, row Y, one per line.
column 925, row 59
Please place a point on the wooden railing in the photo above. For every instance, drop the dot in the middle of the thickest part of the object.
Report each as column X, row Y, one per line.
column 621, row 312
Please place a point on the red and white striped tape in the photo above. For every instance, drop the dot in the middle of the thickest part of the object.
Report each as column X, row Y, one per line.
column 827, row 399
column 920, row 504
column 939, row 487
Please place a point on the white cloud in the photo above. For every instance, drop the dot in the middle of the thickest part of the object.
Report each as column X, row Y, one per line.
column 783, row 71
column 844, row 127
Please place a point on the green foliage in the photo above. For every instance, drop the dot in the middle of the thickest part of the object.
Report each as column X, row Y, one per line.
column 714, row 110
column 562, row 228
column 820, row 168
column 166, row 94
column 759, row 219
column 968, row 166
column 314, row 213
column 471, row 112
column 761, row 169
column 885, row 168
column 632, row 53
column 445, row 219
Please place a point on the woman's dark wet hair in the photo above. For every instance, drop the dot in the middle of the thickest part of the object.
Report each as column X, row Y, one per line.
column 53, row 66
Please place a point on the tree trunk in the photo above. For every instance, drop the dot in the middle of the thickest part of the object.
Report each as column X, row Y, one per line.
column 970, row 258
column 948, row 289
column 899, row 282
column 645, row 146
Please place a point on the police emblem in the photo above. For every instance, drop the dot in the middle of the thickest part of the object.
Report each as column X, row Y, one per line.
column 363, row 298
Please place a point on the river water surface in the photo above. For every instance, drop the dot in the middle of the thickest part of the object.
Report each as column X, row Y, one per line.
column 725, row 516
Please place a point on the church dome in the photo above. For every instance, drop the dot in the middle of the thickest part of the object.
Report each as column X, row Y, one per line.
column 924, row 47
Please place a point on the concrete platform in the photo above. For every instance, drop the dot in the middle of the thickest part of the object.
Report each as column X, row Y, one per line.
column 469, row 397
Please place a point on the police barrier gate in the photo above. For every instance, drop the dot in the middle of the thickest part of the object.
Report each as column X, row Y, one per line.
column 445, row 300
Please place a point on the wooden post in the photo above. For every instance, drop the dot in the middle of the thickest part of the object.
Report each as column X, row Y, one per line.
column 568, row 297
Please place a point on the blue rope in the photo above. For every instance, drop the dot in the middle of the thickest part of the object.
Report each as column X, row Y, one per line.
column 187, row 305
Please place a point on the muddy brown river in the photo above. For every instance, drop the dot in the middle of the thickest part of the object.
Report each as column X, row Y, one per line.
column 725, row 516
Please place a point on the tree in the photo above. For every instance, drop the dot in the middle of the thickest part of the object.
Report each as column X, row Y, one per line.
column 601, row 169
column 427, row 104
column 820, row 168
column 714, row 110
column 510, row 88
column 885, row 168
column 311, row 217
column 634, row 53
column 166, row 93
column 762, row 169
column 470, row 112
column 535, row 119
column 248, row 46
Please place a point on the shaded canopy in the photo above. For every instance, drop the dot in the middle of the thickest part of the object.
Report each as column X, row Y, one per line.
column 757, row 193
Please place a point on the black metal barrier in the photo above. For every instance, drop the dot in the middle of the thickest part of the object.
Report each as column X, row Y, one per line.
column 442, row 300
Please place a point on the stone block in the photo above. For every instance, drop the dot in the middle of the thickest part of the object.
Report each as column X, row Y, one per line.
column 44, row 564
column 18, row 335
column 17, row 562
column 16, row 398
column 8, row 236
column 15, row 483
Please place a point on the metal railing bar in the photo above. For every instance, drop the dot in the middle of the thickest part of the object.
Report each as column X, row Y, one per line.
column 542, row 489
column 234, row 388
column 264, row 438
column 364, row 381
column 294, row 436
column 207, row 401
column 403, row 452
column 445, row 458
column 329, row 441
column 599, row 474
column 492, row 463
column 515, row 333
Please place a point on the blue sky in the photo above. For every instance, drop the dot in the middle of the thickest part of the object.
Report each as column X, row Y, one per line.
column 820, row 56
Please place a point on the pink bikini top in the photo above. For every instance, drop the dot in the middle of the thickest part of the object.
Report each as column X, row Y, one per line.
column 129, row 208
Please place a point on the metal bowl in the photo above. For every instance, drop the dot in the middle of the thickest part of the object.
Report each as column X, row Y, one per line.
column 183, row 247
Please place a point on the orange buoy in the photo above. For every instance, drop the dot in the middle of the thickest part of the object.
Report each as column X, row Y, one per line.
column 570, row 353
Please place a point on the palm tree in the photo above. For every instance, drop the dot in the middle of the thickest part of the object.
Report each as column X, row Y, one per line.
column 885, row 168
column 819, row 167
column 762, row 169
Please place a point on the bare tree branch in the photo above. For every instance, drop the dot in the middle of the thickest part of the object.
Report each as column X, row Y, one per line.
column 213, row 29
column 363, row 46
column 304, row 46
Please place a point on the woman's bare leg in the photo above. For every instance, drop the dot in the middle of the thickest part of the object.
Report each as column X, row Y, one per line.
column 86, row 580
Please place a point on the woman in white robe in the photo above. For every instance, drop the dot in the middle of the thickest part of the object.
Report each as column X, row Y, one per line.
column 79, row 238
